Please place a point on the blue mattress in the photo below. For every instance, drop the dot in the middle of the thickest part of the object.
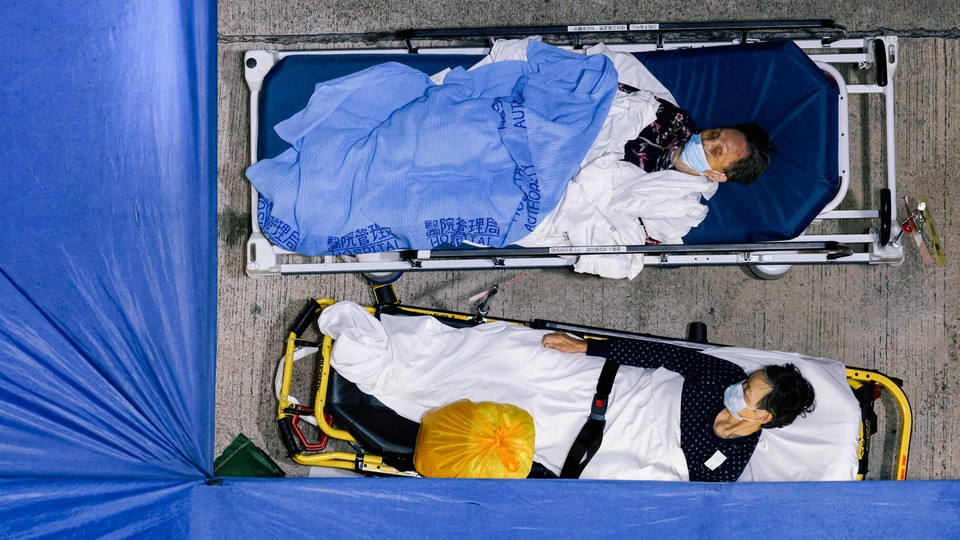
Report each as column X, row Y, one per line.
column 773, row 84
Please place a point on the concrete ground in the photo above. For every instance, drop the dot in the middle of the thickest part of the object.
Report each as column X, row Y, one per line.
column 903, row 321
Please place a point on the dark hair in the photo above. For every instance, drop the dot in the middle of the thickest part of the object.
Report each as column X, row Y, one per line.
column 791, row 395
column 761, row 150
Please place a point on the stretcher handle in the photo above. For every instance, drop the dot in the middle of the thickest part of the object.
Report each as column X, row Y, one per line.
column 835, row 249
column 886, row 216
column 385, row 294
column 697, row 332
column 308, row 316
column 285, row 427
column 593, row 331
column 880, row 57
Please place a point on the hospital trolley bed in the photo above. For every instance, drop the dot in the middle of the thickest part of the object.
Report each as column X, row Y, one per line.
column 359, row 433
column 799, row 212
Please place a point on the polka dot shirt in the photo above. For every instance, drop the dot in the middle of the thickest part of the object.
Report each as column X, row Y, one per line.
column 709, row 457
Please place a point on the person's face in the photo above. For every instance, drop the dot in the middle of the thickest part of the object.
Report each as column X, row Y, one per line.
column 724, row 147
column 755, row 388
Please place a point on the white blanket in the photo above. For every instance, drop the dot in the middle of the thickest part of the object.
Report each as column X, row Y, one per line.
column 606, row 201
column 412, row 364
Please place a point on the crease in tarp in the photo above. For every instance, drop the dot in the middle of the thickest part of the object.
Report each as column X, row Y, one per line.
column 109, row 275
column 70, row 400
column 96, row 508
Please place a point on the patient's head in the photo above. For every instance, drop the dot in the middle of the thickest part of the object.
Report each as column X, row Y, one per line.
column 790, row 395
column 737, row 153
column 770, row 397
column 759, row 151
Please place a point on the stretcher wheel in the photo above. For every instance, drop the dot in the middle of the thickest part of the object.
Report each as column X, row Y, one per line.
column 382, row 278
column 768, row 272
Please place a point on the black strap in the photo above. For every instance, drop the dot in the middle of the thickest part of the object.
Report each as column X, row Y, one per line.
column 591, row 435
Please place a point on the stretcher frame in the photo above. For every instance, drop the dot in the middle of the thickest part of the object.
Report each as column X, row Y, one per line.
column 875, row 244
column 867, row 386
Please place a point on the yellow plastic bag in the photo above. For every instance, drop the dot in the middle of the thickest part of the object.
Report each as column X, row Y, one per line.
column 475, row 440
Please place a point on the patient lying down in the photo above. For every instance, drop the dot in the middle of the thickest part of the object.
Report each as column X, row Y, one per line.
column 722, row 409
column 673, row 414
column 536, row 147
column 645, row 178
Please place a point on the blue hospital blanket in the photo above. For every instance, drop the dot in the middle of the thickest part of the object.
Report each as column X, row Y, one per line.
column 384, row 159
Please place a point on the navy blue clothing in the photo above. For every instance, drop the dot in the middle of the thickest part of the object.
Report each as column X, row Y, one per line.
column 704, row 380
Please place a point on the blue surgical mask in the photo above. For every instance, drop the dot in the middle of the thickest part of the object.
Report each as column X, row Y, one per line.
column 734, row 401
column 694, row 155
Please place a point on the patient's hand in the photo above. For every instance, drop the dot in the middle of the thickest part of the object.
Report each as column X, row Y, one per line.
column 564, row 342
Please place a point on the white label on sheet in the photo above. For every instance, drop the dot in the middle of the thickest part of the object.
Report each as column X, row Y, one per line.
column 645, row 26
column 598, row 28
column 715, row 461
column 595, row 249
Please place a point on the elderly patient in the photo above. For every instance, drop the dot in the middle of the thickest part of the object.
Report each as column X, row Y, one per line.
column 672, row 141
column 699, row 418
column 647, row 175
column 722, row 409
column 737, row 153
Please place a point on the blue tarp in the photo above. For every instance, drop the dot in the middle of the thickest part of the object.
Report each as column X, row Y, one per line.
column 108, row 269
column 107, row 332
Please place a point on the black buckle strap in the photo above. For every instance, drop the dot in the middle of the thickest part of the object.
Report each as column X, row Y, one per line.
column 591, row 435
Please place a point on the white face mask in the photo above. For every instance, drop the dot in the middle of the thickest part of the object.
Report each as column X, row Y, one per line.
column 734, row 401
column 694, row 154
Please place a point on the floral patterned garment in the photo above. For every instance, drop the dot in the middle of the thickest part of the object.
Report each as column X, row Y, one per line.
column 652, row 148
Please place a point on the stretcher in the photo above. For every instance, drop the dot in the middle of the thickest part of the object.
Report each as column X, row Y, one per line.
column 802, row 211
column 359, row 433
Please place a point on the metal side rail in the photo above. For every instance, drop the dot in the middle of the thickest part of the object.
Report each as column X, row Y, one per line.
column 830, row 250
column 651, row 29
column 668, row 255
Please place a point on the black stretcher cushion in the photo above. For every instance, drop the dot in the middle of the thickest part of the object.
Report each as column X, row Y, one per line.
column 378, row 429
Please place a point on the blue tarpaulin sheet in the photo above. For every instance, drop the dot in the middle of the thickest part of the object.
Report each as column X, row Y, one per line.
column 107, row 332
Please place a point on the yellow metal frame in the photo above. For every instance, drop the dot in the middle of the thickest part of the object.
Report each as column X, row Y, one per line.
column 859, row 377
column 374, row 464
column 337, row 460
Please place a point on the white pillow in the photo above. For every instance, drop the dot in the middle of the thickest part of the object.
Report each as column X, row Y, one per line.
column 821, row 446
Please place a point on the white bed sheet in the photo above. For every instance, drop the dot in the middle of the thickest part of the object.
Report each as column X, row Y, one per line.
column 412, row 364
